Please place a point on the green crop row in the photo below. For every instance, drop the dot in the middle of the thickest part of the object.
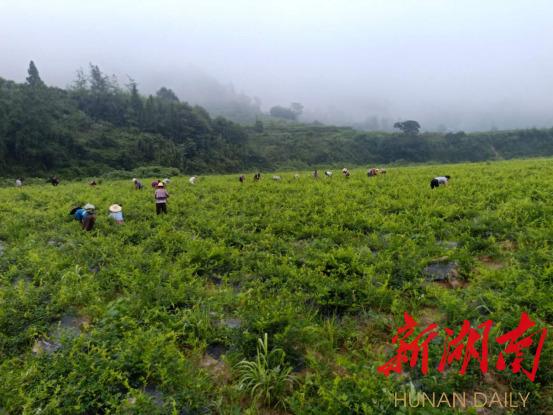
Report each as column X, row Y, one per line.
column 267, row 297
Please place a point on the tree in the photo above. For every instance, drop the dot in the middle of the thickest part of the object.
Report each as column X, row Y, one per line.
column 33, row 79
column 136, row 107
column 105, row 100
column 81, row 83
column 281, row 112
column 297, row 108
column 166, row 94
column 99, row 83
column 455, row 138
column 409, row 127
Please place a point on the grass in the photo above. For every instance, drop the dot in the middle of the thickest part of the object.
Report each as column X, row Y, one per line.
column 326, row 268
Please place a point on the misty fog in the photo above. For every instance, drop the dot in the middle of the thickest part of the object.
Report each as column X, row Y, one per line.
column 451, row 65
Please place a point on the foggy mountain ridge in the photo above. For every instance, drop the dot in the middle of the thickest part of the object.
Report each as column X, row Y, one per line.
column 196, row 86
column 449, row 65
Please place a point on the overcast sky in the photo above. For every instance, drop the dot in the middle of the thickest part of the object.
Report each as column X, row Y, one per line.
column 463, row 63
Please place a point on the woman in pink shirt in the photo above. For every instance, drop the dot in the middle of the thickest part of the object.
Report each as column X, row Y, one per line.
column 161, row 196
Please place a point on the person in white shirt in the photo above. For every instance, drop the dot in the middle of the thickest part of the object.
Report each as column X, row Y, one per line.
column 439, row 181
column 193, row 179
column 116, row 213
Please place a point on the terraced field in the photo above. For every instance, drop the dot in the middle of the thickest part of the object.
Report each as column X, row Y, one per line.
column 168, row 314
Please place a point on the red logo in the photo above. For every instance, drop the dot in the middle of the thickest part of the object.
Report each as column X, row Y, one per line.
column 468, row 344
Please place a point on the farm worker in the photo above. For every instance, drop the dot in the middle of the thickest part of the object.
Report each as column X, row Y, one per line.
column 276, row 178
column 161, row 196
column 116, row 213
column 242, row 178
column 345, row 172
column 257, row 177
column 193, row 179
column 55, row 180
column 328, row 173
column 315, row 174
column 18, row 182
column 137, row 184
column 296, row 176
column 155, row 183
column 439, row 181
column 93, row 183
column 86, row 215
column 166, row 181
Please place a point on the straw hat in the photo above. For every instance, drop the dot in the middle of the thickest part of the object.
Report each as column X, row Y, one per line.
column 160, row 184
column 134, row 179
column 89, row 207
column 115, row 208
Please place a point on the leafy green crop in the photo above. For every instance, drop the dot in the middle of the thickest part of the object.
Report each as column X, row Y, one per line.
column 155, row 315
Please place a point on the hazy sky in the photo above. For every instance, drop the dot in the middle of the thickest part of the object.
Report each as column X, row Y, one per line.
column 463, row 63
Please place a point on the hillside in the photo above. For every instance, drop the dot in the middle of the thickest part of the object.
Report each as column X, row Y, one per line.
column 153, row 316
column 96, row 126
column 300, row 146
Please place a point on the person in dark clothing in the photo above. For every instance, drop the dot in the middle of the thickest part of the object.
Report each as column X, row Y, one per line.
column 55, row 180
column 372, row 172
column 89, row 221
column 86, row 215
column 257, row 177
column 242, row 178
column 439, row 181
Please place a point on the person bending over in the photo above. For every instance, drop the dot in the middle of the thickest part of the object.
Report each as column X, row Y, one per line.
column 439, row 181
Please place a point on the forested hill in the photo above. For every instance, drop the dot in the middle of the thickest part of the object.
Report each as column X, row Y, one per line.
column 96, row 126
column 307, row 145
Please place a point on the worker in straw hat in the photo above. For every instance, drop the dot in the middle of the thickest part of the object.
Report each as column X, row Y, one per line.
column 86, row 215
column 161, row 196
column 116, row 213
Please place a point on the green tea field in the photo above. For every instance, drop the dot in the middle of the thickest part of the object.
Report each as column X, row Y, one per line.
column 271, row 297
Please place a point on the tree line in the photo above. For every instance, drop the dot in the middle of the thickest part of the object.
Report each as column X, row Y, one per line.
column 97, row 125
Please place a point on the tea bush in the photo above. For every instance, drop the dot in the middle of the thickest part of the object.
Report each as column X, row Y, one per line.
column 154, row 315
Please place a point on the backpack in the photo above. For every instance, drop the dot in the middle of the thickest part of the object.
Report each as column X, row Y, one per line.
column 80, row 214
